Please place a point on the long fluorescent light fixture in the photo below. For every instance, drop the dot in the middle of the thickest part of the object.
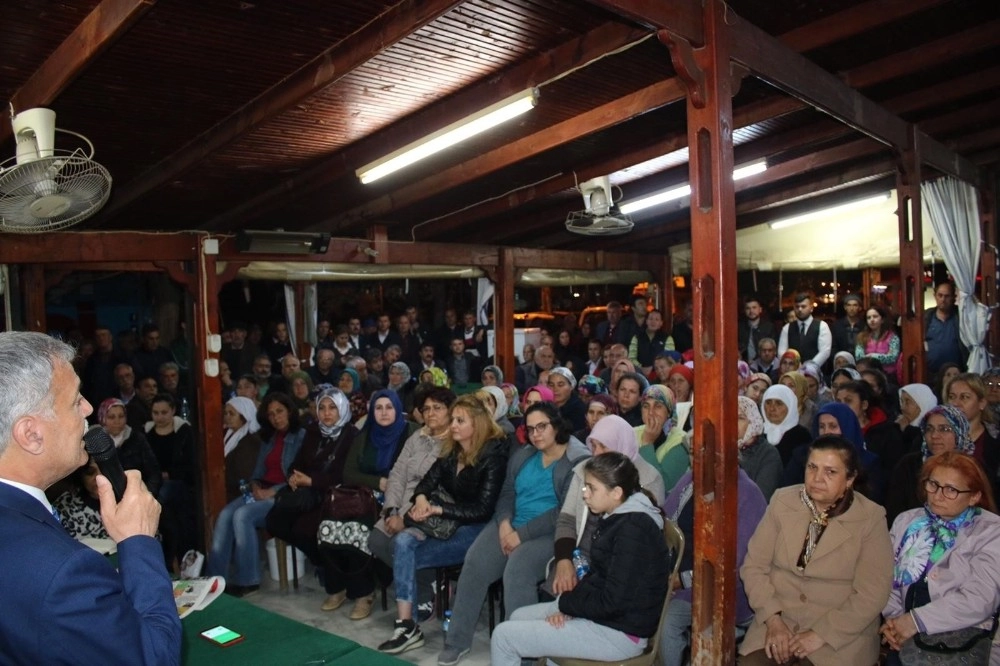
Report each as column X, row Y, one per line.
column 282, row 242
column 446, row 137
column 825, row 212
column 682, row 191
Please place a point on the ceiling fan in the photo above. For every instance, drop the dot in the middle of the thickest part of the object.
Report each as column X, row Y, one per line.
column 600, row 216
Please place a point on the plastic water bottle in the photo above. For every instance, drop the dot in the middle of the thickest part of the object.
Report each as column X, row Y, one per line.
column 446, row 624
column 247, row 493
column 581, row 564
column 185, row 410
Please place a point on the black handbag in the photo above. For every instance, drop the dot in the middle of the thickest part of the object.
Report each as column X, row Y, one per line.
column 302, row 500
column 436, row 527
column 351, row 504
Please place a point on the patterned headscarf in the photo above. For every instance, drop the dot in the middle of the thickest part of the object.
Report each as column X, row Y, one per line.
column 959, row 424
column 742, row 373
column 616, row 434
column 102, row 411
column 566, row 374
column 793, row 355
column 926, row 540
column 755, row 422
column 514, row 408
column 404, row 370
column 439, row 377
column 385, row 438
column 497, row 372
column 759, row 377
column 589, row 386
column 775, row 431
column 343, row 411
column 663, row 395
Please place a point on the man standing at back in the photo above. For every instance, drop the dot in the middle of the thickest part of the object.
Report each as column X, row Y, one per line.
column 845, row 330
column 941, row 337
column 809, row 336
column 754, row 328
column 65, row 603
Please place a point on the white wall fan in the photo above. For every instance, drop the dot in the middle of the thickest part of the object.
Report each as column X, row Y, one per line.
column 601, row 216
column 44, row 188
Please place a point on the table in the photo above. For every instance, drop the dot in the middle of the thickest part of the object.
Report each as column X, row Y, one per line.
column 269, row 638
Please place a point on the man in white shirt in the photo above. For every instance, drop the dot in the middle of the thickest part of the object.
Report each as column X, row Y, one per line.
column 808, row 336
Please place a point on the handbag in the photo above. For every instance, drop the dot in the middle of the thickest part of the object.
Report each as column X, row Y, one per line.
column 351, row 504
column 436, row 527
column 302, row 500
column 960, row 647
column 338, row 534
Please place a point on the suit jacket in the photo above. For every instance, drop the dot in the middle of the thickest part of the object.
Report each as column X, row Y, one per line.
column 842, row 590
column 68, row 605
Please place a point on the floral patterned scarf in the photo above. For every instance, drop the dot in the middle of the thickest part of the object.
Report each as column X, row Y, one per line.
column 819, row 521
column 925, row 541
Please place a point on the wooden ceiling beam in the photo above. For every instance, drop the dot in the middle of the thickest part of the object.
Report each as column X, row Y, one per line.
column 925, row 56
column 97, row 31
column 552, row 63
column 342, row 58
column 605, row 116
column 851, row 22
column 97, row 247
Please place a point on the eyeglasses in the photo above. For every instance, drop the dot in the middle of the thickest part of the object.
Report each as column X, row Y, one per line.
column 943, row 429
column 993, row 384
column 540, row 428
column 427, row 409
column 949, row 492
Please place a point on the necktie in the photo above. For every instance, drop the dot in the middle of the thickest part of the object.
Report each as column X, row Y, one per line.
column 55, row 514
column 802, row 329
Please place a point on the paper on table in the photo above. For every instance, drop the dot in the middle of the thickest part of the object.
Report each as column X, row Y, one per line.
column 102, row 546
column 195, row 593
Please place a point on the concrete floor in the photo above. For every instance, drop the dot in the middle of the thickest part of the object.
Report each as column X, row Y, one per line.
column 304, row 605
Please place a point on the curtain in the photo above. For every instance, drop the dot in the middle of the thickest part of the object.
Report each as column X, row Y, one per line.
column 951, row 207
column 290, row 316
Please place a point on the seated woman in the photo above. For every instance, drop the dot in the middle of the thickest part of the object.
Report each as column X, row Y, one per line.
column 575, row 525
column 817, row 596
column 399, row 381
column 349, row 383
column 756, row 384
column 462, row 485
column 517, row 543
column 751, row 505
column 818, row 392
column 760, row 460
column 494, row 398
column 660, row 437
column 631, row 386
column 790, row 362
column 885, row 392
column 968, row 392
column 800, row 387
column 491, row 375
column 662, row 363
column 947, row 568
column 781, row 421
column 134, row 451
column 598, row 407
column 80, row 506
column 614, row 609
column 945, row 429
column 234, row 541
column 562, row 383
column 300, row 386
column 418, row 454
column 843, row 359
column 946, row 372
column 915, row 400
column 172, row 441
column 241, row 445
column 297, row 510
column 882, row 437
column 681, row 382
column 539, row 393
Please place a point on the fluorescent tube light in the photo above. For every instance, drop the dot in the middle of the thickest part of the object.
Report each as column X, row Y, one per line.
column 826, row 212
column 682, row 191
column 448, row 136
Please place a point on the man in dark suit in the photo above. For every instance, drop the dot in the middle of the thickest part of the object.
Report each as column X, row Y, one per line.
column 425, row 362
column 754, row 328
column 384, row 336
column 66, row 604
column 462, row 366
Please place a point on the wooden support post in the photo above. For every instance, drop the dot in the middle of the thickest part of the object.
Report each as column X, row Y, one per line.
column 503, row 312
column 713, row 252
column 666, row 281
column 33, row 279
column 208, row 391
column 989, row 292
column 911, row 262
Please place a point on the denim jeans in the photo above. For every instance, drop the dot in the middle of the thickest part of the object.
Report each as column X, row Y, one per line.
column 235, row 540
column 415, row 550
column 675, row 638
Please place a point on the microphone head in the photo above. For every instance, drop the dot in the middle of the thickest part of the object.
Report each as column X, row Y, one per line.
column 98, row 443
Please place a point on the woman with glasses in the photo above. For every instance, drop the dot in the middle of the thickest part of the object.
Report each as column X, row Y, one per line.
column 517, row 543
column 945, row 429
column 463, row 486
column 967, row 392
column 946, row 575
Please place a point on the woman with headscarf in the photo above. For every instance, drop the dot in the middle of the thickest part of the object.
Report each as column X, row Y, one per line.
column 133, row 449
column 945, row 428
column 300, row 387
column 843, row 359
column 818, row 568
column 399, row 381
column 318, row 466
column 349, row 382
column 538, row 393
column 882, row 437
column 838, row 419
column 598, row 407
column 562, row 383
column 491, row 375
column 659, row 437
column 818, row 391
column 915, row 400
column 756, row 384
column 495, row 399
column 618, row 370
column 590, row 385
column 751, row 504
column 439, row 377
column 800, row 387
column 514, row 412
column 369, row 462
column 241, row 445
column 781, row 421
column 681, row 382
column 761, row 462
column 790, row 362
column 946, row 567
column 575, row 525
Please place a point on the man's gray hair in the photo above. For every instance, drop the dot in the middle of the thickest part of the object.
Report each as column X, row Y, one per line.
column 27, row 364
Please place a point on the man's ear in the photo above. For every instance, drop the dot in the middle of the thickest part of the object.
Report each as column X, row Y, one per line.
column 27, row 434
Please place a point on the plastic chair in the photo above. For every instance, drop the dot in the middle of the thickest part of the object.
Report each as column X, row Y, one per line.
column 675, row 545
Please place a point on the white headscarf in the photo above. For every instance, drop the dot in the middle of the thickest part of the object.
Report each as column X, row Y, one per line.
column 248, row 411
column 500, row 399
column 923, row 395
column 343, row 406
column 784, row 394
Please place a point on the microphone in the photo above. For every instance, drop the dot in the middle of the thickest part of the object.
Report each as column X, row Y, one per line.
column 101, row 448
